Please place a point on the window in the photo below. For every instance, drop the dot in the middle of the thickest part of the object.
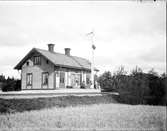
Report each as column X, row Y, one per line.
column 88, row 81
column 29, row 79
column 62, row 75
column 45, row 76
column 37, row 60
column 27, row 63
column 47, row 62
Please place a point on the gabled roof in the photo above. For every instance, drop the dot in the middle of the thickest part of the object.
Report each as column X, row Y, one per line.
column 58, row 59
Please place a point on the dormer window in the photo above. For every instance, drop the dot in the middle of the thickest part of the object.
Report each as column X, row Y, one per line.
column 37, row 60
column 27, row 63
column 47, row 62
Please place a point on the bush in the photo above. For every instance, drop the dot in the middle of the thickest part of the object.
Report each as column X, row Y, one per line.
column 69, row 87
column 1, row 85
column 83, row 86
column 157, row 87
column 164, row 85
column 11, row 85
column 105, row 81
column 134, row 87
column 137, row 87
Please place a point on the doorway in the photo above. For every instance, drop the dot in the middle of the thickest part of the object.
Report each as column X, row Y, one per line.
column 62, row 79
column 75, row 80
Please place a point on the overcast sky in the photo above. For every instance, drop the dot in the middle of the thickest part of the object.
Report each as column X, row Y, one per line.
column 126, row 33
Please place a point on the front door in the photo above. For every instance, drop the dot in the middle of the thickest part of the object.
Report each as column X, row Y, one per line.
column 62, row 79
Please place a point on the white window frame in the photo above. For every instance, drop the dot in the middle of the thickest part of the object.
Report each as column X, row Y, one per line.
column 29, row 79
column 45, row 78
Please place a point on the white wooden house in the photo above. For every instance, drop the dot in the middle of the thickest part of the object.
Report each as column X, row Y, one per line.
column 46, row 69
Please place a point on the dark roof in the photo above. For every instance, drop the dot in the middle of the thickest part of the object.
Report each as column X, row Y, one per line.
column 58, row 59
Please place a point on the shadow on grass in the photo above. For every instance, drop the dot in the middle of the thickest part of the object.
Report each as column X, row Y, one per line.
column 134, row 100
column 21, row 105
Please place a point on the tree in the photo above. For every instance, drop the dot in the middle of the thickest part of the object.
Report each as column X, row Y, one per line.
column 10, row 84
column 157, row 88
column 2, row 78
column 105, row 81
column 121, row 71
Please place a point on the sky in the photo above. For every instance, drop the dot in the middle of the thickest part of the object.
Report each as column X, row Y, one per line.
column 126, row 33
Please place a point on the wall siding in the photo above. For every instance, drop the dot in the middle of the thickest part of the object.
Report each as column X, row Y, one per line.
column 53, row 83
column 37, row 70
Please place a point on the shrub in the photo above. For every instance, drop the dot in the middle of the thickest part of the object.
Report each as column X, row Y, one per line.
column 133, row 88
column 157, row 87
column 69, row 87
column 137, row 87
column 83, row 86
column 11, row 85
column 105, row 81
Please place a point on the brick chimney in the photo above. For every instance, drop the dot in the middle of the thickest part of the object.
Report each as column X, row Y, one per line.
column 51, row 47
column 67, row 51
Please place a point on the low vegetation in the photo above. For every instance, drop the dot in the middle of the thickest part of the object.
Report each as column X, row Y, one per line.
column 9, row 84
column 132, row 109
column 78, row 113
column 136, row 87
column 88, row 117
column 21, row 105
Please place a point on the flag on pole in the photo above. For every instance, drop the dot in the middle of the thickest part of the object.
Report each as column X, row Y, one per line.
column 90, row 33
column 93, row 47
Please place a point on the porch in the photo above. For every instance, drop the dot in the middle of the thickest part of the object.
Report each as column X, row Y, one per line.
column 71, row 78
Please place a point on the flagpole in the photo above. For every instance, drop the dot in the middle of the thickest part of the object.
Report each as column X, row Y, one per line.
column 92, row 68
column 92, row 65
column 91, row 34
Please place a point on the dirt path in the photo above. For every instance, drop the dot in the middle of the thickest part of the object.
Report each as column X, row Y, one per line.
column 52, row 93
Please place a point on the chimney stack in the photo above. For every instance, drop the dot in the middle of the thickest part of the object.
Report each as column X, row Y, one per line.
column 67, row 51
column 51, row 47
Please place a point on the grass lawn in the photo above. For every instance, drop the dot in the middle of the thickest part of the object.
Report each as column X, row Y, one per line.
column 89, row 113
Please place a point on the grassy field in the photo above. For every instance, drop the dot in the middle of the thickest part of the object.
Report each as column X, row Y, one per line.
column 88, row 113
column 21, row 105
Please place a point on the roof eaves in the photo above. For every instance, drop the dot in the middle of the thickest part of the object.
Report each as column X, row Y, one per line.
column 22, row 61
column 81, row 67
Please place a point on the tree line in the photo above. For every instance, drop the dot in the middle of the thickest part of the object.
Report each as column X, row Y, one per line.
column 134, row 88
column 9, row 83
column 137, row 87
